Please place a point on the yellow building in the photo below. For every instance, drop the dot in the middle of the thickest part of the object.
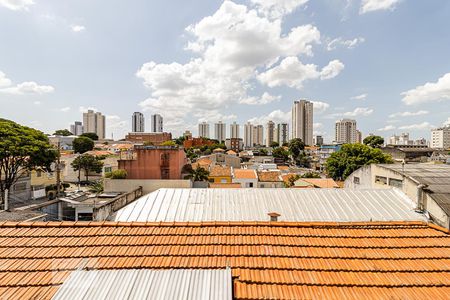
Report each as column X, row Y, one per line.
column 220, row 174
column 41, row 178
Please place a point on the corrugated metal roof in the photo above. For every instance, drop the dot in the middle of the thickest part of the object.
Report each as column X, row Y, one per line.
column 310, row 205
column 147, row 284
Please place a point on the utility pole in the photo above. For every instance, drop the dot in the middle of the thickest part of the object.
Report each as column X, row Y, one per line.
column 58, row 171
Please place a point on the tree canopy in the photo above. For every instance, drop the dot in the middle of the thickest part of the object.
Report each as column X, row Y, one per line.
column 274, row 144
column 280, row 152
column 87, row 163
column 169, row 143
column 351, row 157
column 374, row 141
column 296, row 146
column 82, row 144
column 198, row 174
column 62, row 132
column 21, row 149
column 93, row 136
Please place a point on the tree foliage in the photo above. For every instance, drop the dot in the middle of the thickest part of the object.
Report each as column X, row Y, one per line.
column 274, row 144
column 62, row 132
column 169, row 143
column 92, row 135
column 351, row 157
column 280, row 152
column 310, row 175
column 82, row 144
column 374, row 141
column 21, row 149
column 198, row 174
column 117, row 174
column 87, row 163
column 291, row 181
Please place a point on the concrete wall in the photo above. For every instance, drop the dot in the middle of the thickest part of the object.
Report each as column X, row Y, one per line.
column 103, row 212
column 148, row 185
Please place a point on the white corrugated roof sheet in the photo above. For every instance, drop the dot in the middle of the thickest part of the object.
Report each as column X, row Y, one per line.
column 296, row 205
column 147, row 284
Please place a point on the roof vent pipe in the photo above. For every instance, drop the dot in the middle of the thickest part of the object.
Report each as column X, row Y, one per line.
column 274, row 216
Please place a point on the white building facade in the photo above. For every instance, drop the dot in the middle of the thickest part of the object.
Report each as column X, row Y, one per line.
column 258, row 135
column 270, row 133
column 94, row 122
column 234, row 130
column 346, row 131
column 203, row 130
column 248, row 135
column 76, row 128
column 440, row 138
column 220, row 131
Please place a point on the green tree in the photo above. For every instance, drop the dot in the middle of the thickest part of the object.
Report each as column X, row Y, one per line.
column 296, row 146
column 353, row 156
column 310, row 175
column 280, row 153
column 169, row 143
column 198, row 174
column 62, row 132
column 263, row 152
column 117, row 174
column 291, row 181
column 82, row 144
column 179, row 141
column 21, row 149
column 374, row 141
column 87, row 163
column 274, row 144
column 93, row 136
column 96, row 187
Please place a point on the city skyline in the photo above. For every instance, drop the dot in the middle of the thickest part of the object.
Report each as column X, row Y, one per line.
column 352, row 59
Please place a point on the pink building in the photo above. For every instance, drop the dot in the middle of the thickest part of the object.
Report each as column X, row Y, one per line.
column 155, row 162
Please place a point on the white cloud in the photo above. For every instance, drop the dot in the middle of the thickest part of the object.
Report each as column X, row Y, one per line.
column 37, row 102
column 230, row 47
column 318, row 129
column 266, row 98
column 16, row 4
column 277, row 8
column 28, row 88
column 65, row 109
column 357, row 112
column 447, row 122
column 360, row 97
column 429, row 92
column 277, row 116
column 409, row 114
column 4, row 81
column 420, row 126
column 292, row 73
column 77, row 28
column 374, row 5
column 320, row 107
column 387, row 128
column 349, row 44
column 83, row 109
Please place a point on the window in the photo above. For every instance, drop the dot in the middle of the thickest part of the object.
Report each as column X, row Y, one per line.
column 108, row 169
column 38, row 173
column 396, row 183
column 380, row 180
column 250, row 184
column 356, row 180
column 211, row 180
column 84, row 216
column 223, row 181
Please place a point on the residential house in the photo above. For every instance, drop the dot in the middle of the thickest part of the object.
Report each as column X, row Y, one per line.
column 428, row 185
column 409, row 153
column 220, row 174
column 155, row 162
column 270, row 179
column 247, row 178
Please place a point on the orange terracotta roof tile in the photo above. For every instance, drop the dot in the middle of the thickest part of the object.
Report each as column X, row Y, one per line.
column 277, row 260
column 244, row 174
column 220, row 171
column 269, row 176
column 322, row 182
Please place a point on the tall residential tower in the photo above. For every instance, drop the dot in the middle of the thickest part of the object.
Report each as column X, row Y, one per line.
column 94, row 122
column 302, row 121
column 138, row 122
column 157, row 123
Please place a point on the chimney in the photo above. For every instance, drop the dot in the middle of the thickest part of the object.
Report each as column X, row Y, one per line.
column 274, row 216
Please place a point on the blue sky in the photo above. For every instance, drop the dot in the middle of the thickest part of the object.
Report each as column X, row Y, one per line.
column 384, row 63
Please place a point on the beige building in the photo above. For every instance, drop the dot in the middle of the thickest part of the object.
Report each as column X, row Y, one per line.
column 440, row 138
column 248, row 135
column 427, row 185
column 94, row 122
column 258, row 135
column 302, row 121
column 220, row 131
column 346, row 132
column 282, row 133
column 234, row 130
column 270, row 133
column 203, row 130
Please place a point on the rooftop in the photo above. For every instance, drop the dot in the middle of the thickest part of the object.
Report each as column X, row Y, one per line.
column 270, row 260
column 315, row 205
column 321, row 182
column 220, row 171
column 244, row 174
column 435, row 176
column 269, row 176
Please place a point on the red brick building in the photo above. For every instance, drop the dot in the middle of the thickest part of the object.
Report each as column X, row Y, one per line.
column 156, row 138
column 155, row 162
column 196, row 142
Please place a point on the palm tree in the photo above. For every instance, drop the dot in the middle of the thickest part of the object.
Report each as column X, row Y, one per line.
column 198, row 174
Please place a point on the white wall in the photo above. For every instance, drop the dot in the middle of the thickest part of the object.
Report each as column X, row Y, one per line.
column 148, row 185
